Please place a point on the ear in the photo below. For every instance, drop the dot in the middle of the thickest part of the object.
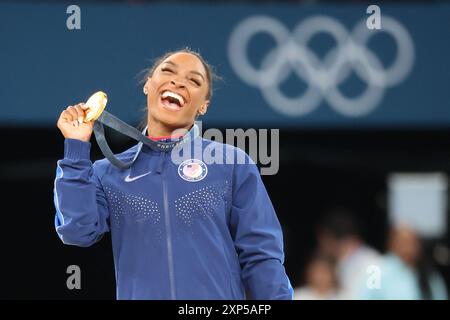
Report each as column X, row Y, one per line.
column 147, row 81
column 203, row 108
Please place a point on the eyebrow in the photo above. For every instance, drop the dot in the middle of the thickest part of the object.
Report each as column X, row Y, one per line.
column 193, row 71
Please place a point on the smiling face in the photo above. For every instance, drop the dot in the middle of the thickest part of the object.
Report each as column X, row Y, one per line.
column 176, row 92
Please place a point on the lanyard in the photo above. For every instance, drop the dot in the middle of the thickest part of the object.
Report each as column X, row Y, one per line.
column 116, row 124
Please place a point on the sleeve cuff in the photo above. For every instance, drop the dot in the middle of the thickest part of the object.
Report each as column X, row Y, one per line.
column 76, row 149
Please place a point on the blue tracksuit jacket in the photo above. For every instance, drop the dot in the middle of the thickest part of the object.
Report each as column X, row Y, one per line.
column 217, row 237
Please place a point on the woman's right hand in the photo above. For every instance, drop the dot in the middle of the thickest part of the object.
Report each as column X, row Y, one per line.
column 72, row 125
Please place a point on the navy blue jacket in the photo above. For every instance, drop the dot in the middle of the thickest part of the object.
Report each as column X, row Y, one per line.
column 179, row 231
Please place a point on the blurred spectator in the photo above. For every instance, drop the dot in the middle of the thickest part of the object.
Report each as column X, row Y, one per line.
column 405, row 273
column 339, row 236
column 320, row 280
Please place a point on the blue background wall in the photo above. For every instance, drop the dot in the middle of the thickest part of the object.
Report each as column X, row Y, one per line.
column 45, row 67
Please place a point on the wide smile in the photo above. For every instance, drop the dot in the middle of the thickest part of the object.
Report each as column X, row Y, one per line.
column 172, row 101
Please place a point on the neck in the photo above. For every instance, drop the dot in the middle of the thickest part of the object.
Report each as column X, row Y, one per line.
column 158, row 129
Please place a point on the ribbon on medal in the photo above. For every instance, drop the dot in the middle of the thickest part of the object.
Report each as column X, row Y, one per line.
column 96, row 112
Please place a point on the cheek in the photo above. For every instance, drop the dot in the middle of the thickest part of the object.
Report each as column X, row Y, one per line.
column 152, row 95
column 152, row 86
column 152, row 99
column 197, row 98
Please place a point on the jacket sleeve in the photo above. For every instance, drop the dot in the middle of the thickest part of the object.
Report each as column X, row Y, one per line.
column 81, row 208
column 258, row 237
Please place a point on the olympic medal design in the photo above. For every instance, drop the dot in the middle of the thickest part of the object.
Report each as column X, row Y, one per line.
column 192, row 170
column 96, row 104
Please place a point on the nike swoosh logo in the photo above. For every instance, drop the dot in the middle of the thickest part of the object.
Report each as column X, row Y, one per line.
column 129, row 179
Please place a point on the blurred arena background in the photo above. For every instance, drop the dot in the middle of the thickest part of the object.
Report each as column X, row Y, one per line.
column 364, row 121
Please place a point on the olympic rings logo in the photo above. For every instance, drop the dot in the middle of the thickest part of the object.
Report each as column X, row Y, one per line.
column 322, row 76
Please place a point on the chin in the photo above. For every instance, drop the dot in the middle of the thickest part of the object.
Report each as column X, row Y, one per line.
column 173, row 121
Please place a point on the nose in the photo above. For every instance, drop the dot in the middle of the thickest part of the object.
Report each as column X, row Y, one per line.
column 177, row 84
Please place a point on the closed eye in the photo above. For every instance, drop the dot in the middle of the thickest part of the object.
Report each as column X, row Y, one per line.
column 167, row 70
column 197, row 83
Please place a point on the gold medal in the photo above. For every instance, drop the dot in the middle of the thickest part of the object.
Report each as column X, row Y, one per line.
column 96, row 104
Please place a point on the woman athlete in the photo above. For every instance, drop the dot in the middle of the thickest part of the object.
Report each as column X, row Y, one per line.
column 188, row 230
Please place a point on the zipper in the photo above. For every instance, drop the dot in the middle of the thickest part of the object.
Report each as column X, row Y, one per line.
column 168, row 232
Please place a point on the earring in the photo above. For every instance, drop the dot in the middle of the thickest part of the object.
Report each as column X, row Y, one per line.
column 145, row 90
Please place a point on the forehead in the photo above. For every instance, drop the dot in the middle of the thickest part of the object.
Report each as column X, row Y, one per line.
column 186, row 60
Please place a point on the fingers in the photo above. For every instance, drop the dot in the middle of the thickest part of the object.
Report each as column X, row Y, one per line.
column 80, row 112
column 74, row 114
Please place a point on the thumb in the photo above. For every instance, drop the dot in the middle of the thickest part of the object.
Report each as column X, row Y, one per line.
column 84, row 106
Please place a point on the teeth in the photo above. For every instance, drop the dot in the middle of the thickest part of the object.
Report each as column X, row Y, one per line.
column 173, row 95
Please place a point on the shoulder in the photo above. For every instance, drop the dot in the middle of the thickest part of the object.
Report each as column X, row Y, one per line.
column 232, row 160
column 228, row 153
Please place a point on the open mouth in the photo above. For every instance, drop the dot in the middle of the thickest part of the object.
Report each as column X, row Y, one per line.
column 172, row 101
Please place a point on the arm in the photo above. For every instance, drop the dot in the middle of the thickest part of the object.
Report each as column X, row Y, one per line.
column 81, row 208
column 258, row 237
